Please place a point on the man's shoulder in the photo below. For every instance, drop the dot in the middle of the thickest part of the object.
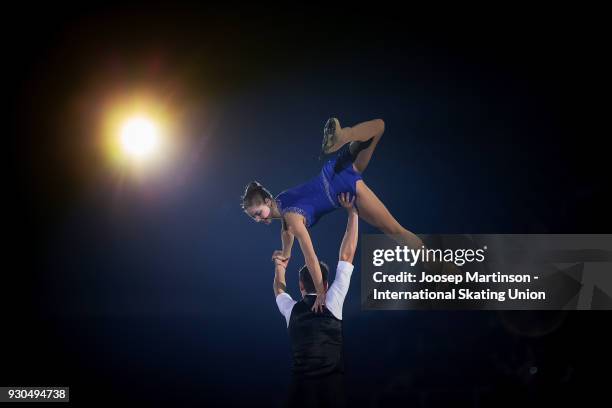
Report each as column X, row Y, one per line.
column 285, row 304
column 345, row 266
column 284, row 299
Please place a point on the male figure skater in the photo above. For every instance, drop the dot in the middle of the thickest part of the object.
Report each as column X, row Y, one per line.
column 316, row 338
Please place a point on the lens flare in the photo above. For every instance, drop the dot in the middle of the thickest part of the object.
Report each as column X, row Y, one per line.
column 139, row 133
column 139, row 137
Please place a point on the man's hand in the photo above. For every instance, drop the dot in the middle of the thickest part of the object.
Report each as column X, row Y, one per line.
column 279, row 255
column 347, row 202
column 280, row 262
column 319, row 303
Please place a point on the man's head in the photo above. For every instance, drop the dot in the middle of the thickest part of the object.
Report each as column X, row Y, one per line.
column 306, row 283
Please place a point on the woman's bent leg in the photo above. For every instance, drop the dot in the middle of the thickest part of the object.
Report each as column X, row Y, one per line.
column 361, row 132
column 364, row 152
column 363, row 149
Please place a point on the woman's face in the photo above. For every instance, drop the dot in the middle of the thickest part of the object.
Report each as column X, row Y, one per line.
column 260, row 212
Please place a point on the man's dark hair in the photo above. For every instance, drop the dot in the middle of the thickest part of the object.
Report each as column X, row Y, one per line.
column 306, row 278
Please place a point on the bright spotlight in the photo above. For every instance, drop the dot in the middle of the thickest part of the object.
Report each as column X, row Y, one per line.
column 138, row 133
column 139, row 137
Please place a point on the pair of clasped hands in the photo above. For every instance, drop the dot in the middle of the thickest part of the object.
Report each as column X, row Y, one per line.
column 277, row 256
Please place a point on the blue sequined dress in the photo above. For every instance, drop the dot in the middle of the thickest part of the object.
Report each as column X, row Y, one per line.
column 319, row 195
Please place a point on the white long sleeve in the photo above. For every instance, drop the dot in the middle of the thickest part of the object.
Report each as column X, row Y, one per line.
column 338, row 290
column 285, row 304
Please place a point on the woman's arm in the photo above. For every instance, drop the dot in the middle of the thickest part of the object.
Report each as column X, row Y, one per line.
column 295, row 224
column 286, row 239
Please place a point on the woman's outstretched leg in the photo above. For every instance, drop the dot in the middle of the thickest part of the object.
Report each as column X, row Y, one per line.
column 374, row 212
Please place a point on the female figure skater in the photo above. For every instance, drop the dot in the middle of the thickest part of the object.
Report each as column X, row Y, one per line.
column 302, row 206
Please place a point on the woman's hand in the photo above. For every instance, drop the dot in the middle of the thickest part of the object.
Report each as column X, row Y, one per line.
column 346, row 201
column 319, row 303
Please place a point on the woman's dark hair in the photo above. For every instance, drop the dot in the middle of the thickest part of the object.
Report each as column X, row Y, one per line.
column 254, row 189
column 306, row 278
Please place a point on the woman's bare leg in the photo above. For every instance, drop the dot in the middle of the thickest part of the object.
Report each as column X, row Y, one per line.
column 361, row 132
column 374, row 212
column 364, row 152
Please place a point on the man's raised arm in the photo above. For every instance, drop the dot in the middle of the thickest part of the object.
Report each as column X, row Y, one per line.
column 280, row 266
column 283, row 300
column 349, row 241
column 338, row 290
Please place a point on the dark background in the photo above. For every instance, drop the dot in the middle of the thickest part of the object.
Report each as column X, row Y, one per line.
column 159, row 288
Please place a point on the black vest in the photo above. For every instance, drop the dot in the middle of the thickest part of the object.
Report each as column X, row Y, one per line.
column 316, row 340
